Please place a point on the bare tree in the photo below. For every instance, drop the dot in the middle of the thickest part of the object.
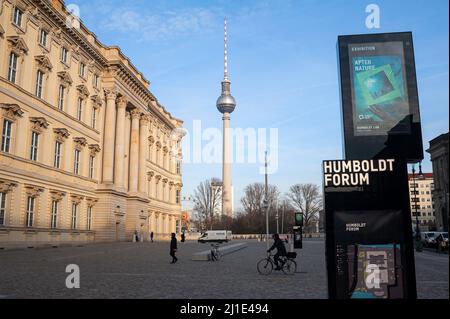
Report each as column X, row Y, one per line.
column 307, row 199
column 207, row 198
column 253, row 205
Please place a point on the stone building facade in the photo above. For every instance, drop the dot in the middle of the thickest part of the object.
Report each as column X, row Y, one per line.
column 421, row 190
column 87, row 152
column 439, row 157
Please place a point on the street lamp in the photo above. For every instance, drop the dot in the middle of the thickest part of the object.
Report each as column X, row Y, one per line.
column 266, row 208
column 277, row 218
column 418, row 237
column 266, row 202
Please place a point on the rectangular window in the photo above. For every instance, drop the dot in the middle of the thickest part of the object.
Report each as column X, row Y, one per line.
column 43, row 38
column 82, row 70
column 178, row 196
column 61, row 97
column 94, row 117
column 64, row 55
column 76, row 163
column 57, row 162
column 54, row 218
column 17, row 18
column 96, row 81
column 34, row 146
column 6, row 136
column 89, row 218
column 178, row 167
column 39, row 82
column 12, row 71
column 30, row 211
column 2, row 208
column 91, row 166
column 79, row 109
column 74, row 216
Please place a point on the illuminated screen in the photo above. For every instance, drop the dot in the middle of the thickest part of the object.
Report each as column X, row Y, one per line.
column 379, row 93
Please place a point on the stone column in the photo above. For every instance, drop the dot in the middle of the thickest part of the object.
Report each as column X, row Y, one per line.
column 149, row 183
column 109, row 135
column 143, row 150
column 157, row 187
column 134, row 151
column 157, row 223
column 120, row 143
column 171, row 197
column 164, row 197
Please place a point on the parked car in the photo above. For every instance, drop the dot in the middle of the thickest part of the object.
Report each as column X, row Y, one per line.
column 442, row 241
column 429, row 238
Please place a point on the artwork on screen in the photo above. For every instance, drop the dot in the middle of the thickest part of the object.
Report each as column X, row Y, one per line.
column 379, row 91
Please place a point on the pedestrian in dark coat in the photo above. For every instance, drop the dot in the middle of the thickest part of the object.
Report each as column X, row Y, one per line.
column 173, row 248
column 151, row 236
column 183, row 237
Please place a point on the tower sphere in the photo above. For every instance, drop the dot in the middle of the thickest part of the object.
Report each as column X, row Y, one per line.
column 226, row 103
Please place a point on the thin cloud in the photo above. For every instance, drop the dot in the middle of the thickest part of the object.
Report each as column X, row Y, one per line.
column 164, row 25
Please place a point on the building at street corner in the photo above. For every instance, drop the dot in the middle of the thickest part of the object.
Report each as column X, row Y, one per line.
column 88, row 154
column 439, row 157
column 422, row 201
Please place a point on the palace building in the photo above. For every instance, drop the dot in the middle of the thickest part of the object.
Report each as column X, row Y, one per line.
column 88, row 154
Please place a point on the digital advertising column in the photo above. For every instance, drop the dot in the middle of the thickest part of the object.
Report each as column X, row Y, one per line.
column 369, row 242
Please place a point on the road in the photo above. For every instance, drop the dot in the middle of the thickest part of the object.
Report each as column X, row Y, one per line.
column 143, row 270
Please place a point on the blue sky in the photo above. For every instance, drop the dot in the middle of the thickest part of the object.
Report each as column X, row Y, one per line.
column 283, row 68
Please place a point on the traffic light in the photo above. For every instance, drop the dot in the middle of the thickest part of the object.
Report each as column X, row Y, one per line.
column 299, row 219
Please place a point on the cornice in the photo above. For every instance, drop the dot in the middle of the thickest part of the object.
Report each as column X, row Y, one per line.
column 56, row 16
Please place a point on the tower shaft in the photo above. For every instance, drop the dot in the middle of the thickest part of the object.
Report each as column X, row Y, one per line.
column 226, row 168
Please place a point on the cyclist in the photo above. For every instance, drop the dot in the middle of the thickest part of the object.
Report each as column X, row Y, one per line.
column 281, row 250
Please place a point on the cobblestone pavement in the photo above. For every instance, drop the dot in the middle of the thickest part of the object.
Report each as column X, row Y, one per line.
column 142, row 270
column 432, row 275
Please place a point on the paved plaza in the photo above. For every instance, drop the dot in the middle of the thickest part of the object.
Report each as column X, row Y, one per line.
column 142, row 270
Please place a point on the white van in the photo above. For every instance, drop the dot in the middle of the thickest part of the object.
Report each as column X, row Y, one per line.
column 215, row 236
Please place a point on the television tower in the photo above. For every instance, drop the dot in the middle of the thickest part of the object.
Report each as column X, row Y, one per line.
column 226, row 105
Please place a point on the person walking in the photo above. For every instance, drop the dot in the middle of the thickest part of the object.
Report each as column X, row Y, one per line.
column 151, row 237
column 183, row 237
column 173, row 248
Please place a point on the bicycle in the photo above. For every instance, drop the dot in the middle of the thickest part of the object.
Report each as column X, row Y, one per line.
column 215, row 252
column 288, row 264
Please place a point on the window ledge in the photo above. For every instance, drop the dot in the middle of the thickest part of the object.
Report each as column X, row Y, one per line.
column 19, row 28
column 43, row 47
